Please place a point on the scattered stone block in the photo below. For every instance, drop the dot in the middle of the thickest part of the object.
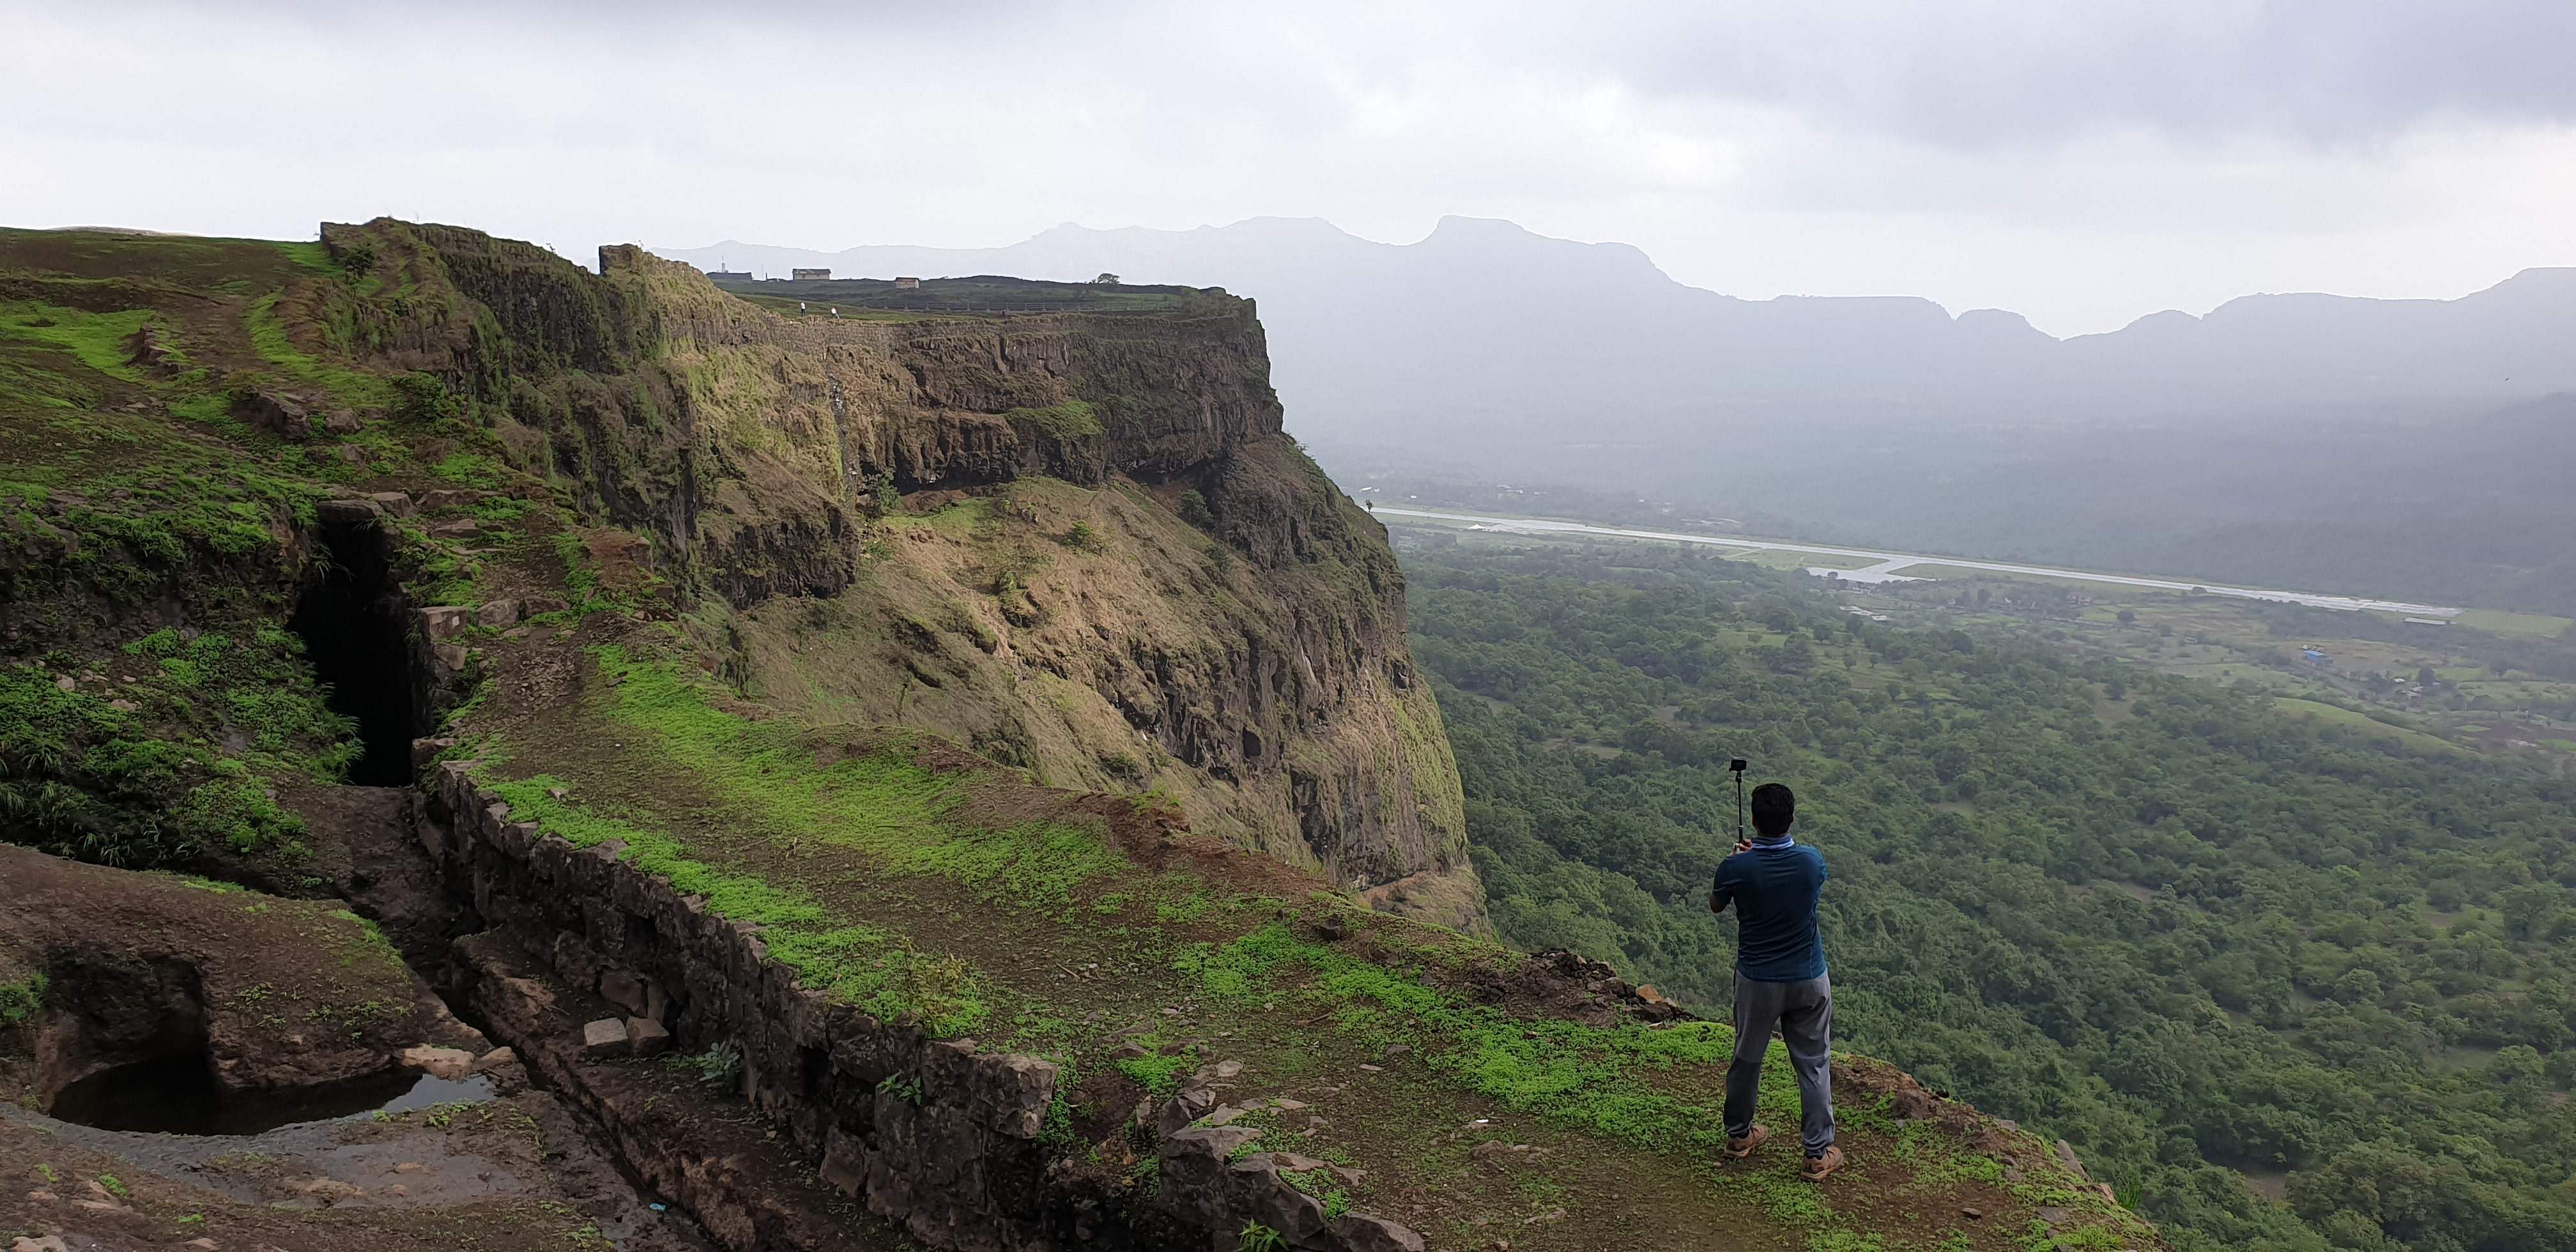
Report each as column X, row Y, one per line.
column 440, row 623
column 424, row 751
column 397, row 503
column 498, row 613
column 604, row 1038
column 497, row 1058
column 646, row 1037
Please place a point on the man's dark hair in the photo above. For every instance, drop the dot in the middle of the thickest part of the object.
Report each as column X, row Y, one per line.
column 1773, row 809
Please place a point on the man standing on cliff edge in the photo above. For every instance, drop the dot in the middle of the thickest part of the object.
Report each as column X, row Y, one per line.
column 1774, row 881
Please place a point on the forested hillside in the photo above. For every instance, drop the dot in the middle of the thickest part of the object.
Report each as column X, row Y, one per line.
column 2221, row 951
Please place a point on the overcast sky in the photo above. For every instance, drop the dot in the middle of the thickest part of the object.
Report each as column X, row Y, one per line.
column 2081, row 163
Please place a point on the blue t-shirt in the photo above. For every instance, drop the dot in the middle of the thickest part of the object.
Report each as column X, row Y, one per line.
column 1774, row 889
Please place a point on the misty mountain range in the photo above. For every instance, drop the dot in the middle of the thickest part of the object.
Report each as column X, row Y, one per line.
column 2320, row 442
column 1486, row 328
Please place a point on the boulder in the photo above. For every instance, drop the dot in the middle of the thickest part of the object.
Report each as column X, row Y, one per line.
column 646, row 1037
column 275, row 413
column 1187, row 1105
column 498, row 613
column 347, row 512
column 604, row 1038
column 447, row 1063
column 396, row 503
column 622, row 989
column 440, row 623
column 1011, row 1093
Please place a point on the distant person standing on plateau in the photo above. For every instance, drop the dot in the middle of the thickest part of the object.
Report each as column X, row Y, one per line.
column 1773, row 881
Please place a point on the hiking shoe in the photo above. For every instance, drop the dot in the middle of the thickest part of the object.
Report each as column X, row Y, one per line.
column 1754, row 1138
column 1819, row 1166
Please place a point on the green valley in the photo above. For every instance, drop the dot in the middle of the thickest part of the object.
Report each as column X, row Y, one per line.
column 2290, row 983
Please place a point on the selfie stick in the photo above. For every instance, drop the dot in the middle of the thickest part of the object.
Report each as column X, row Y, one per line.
column 1737, row 765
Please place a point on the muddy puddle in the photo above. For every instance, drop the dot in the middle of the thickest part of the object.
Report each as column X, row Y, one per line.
column 176, row 1096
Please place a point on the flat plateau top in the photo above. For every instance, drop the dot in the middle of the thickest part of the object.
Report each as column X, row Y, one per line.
column 984, row 293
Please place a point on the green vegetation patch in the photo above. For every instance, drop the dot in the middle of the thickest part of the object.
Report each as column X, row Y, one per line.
column 21, row 999
column 1073, row 419
column 860, row 965
column 160, row 753
column 98, row 340
column 1582, row 1077
column 2365, row 724
column 268, row 336
column 875, row 802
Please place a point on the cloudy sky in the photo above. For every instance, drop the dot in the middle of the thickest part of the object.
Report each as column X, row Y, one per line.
column 2081, row 163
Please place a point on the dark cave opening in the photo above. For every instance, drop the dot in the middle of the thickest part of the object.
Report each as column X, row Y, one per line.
column 350, row 618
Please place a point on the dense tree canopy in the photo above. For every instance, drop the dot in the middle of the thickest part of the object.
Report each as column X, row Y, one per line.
column 2189, row 934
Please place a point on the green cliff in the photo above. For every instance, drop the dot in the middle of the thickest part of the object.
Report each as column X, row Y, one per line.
column 881, row 700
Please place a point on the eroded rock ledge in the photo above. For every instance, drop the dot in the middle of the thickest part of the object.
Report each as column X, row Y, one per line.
column 952, row 1141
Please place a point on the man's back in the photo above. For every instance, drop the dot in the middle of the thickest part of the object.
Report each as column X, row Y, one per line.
column 1774, row 888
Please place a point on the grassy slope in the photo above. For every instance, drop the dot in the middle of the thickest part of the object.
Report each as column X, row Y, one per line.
column 965, row 897
column 907, row 888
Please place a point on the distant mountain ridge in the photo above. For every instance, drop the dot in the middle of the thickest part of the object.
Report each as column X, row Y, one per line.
column 1487, row 331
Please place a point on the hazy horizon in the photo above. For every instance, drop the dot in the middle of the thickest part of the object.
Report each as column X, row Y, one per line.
column 679, row 250
column 2080, row 172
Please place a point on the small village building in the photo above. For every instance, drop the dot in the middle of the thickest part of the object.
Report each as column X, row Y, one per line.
column 803, row 275
column 728, row 276
column 906, row 284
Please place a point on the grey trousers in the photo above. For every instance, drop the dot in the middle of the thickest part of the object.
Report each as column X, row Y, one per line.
column 1804, row 1014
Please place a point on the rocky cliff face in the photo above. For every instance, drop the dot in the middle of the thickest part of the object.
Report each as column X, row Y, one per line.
column 1077, row 542
column 687, row 580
